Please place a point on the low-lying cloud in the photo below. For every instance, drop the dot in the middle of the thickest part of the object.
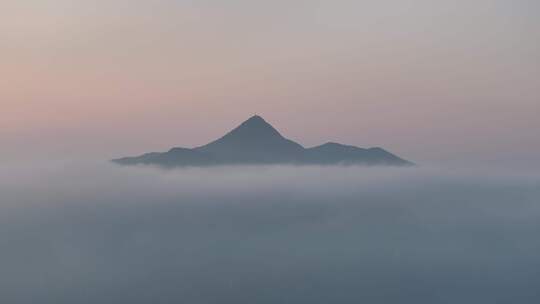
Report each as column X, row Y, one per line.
column 73, row 233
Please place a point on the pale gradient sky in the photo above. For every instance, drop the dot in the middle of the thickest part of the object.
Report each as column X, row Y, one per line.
column 433, row 81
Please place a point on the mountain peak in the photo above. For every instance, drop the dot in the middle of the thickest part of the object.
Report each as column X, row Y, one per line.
column 256, row 118
column 255, row 141
column 254, row 132
column 255, row 121
column 255, row 128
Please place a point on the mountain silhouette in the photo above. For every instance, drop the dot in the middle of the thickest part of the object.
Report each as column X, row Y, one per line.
column 256, row 142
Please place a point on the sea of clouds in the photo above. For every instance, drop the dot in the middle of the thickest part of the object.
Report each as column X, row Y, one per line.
column 73, row 232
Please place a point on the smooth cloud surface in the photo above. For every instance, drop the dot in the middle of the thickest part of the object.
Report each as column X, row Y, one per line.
column 76, row 233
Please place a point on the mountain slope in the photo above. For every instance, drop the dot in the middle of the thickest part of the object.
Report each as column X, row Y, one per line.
column 256, row 142
column 173, row 158
column 331, row 153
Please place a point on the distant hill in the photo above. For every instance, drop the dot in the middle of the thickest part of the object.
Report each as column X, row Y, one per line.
column 256, row 142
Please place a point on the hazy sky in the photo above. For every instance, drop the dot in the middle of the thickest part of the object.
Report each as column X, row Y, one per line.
column 433, row 81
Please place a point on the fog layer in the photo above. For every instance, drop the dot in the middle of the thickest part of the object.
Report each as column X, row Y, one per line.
column 98, row 233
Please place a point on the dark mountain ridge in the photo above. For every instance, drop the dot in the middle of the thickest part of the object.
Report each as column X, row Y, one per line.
column 256, row 142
